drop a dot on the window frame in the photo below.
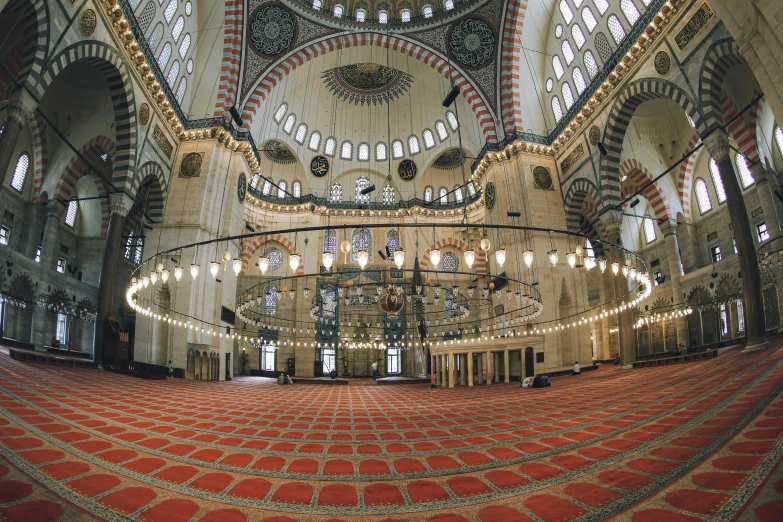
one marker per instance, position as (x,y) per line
(20,188)
(760,233)
(715,253)
(707,193)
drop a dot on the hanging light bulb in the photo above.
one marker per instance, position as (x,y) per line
(294,260)
(632,273)
(484,244)
(553,257)
(145,281)
(178,272)
(214,267)
(625,270)
(527,256)
(153,277)
(194,270)
(602,264)
(345,248)
(470,257)
(363,257)
(237,266)
(615,267)
(327,258)
(226,256)
(500,256)
(399,257)
(571,258)
(263,263)
(164,275)
(435,257)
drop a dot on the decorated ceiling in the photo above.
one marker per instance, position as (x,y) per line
(365,83)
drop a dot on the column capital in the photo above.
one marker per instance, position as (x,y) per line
(612,220)
(668,227)
(21,106)
(55,209)
(120,204)
(717,145)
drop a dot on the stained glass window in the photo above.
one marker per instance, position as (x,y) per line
(380,152)
(449,262)
(590,64)
(397,150)
(361,14)
(20,171)
(329,148)
(296,189)
(450,305)
(173,73)
(568,96)
(362,183)
(281,112)
(702,196)
(579,36)
(315,141)
(568,52)
(440,128)
(428,194)
(717,181)
(364,152)
(183,49)
(282,187)
(183,85)
(630,11)
(336,193)
(443,195)
(163,57)
(429,139)
(155,37)
(168,14)
(452,119)
(550,84)
(649,229)
(330,241)
(392,240)
(329,304)
(267,188)
(565,10)
(361,239)
(602,5)
(556,108)
(270,302)
(179,25)
(346,150)
(744,171)
(389,196)
(557,65)
(301,133)
(275,258)
(458,194)
(616,28)
(413,145)
(338,11)
(70,213)
(288,126)
(589,19)
(579,80)
(603,47)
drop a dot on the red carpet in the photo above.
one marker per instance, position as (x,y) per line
(698,441)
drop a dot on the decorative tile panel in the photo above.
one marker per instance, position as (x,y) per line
(572,158)
(697,22)
(165,145)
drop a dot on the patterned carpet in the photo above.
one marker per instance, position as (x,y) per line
(697,441)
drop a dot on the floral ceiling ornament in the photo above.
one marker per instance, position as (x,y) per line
(278,152)
(472,42)
(272,30)
(450,159)
(365,83)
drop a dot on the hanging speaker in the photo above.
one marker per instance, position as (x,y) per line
(367,190)
(602,149)
(235,116)
(451,96)
(383,256)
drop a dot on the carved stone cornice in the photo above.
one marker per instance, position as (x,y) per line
(717,144)
(21,107)
(120,204)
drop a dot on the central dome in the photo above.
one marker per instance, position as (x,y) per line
(367,82)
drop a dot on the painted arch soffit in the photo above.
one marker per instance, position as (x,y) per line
(275,31)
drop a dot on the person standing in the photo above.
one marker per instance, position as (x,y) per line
(374,369)
(170,369)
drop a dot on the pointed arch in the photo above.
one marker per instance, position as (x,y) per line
(738,130)
(232,56)
(510,64)
(580,200)
(33,16)
(637,176)
(719,58)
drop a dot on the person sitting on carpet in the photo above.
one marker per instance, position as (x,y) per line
(280,379)
(576,370)
(527,382)
(537,382)
(617,359)
(288,379)
(545,381)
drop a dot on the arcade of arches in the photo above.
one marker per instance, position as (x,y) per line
(451,196)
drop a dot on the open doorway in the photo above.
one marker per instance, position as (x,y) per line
(529,362)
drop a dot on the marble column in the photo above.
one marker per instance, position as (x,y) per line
(669,229)
(463,369)
(470,368)
(490,371)
(19,110)
(612,221)
(611,345)
(120,205)
(451,370)
(443,369)
(54,215)
(506,365)
(480,368)
(433,366)
(496,365)
(438,371)
(766,198)
(718,146)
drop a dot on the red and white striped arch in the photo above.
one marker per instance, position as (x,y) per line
(637,177)
(250,248)
(510,63)
(479,266)
(739,131)
(685,178)
(333,43)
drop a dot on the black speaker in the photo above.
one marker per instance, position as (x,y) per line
(451,96)
(367,190)
(602,149)
(235,116)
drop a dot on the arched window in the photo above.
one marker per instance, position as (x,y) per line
(346,151)
(413,145)
(558,30)
(590,64)
(578,35)
(362,183)
(336,193)
(275,258)
(405,15)
(568,96)
(717,181)
(458,194)
(452,119)
(443,195)
(301,133)
(179,25)
(189,65)
(440,128)
(383,17)
(364,152)
(145,17)
(188,8)
(330,241)
(603,47)
(296,189)
(282,188)
(163,57)
(254,181)
(630,11)
(173,73)
(155,37)
(565,10)
(361,239)
(267,188)
(602,5)
(330,147)
(338,11)
(20,171)
(550,84)
(361,15)
(397,150)
(168,14)
(429,139)
(557,65)
(449,263)
(471,189)
(315,141)
(427,11)
(557,110)
(616,28)
(702,196)
(317,5)
(428,194)
(778,139)
(568,52)
(184,46)
(449,5)
(589,19)
(744,171)
(270,301)
(380,152)
(288,126)
(392,239)
(281,112)
(649,229)
(70,213)
(389,197)
(579,80)
(181,88)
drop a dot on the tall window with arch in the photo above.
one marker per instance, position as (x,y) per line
(471,188)
(163,57)
(616,28)
(427,11)
(630,11)
(557,110)
(282,188)
(361,239)
(452,119)
(428,194)
(361,15)
(383,17)
(449,304)
(301,133)
(254,181)
(392,241)
(702,196)
(717,181)
(389,196)
(429,139)
(346,151)
(578,35)
(565,10)
(330,147)
(557,65)
(296,189)
(440,128)
(176,31)
(330,241)
(568,52)
(779,139)
(380,151)
(181,88)
(288,126)
(154,40)
(336,193)
(362,183)
(413,145)
(170,10)
(589,19)
(603,47)
(270,301)
(649,229)
(568,96)
(267,187)
(281,112)
(173,73)
(601,5)
(338,11)
(590,64)
(405,15)
(744,171)
(443,195)
(364,152)
(458,194)
(70,213)
(315,141)
(579,80)
(397,150)
(20,171)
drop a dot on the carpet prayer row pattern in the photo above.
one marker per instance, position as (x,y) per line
(690,442)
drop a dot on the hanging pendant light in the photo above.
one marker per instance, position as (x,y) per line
(500,256)
(345,248)
(153,277)
(263,263)
(527,256)
(632,272)
(470,257)
(164,275)
(615,267)
(399,257)
(571,258)
(214,267)
(602,264)
(435,257)
(327,258)
(484,244)
(363,257)
(293,261)
(178,272)
(194,270)
(553,257)
(145,281)
(625,270)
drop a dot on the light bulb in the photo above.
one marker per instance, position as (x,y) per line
(164,275)
(500,256)
(571,258)
(527,256)
(363,257)
(153,277)
(194,270)
(237,265)
(632,273)
(294,260)
(435,257)
(327,258)
(553,257)
(589,263)
(178,272)
(399,257)
(485,245)
(263,263)
(214,267)
(145,281)
(602,265)
(625,270)
(470,258)
(226,256)
(615,268)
